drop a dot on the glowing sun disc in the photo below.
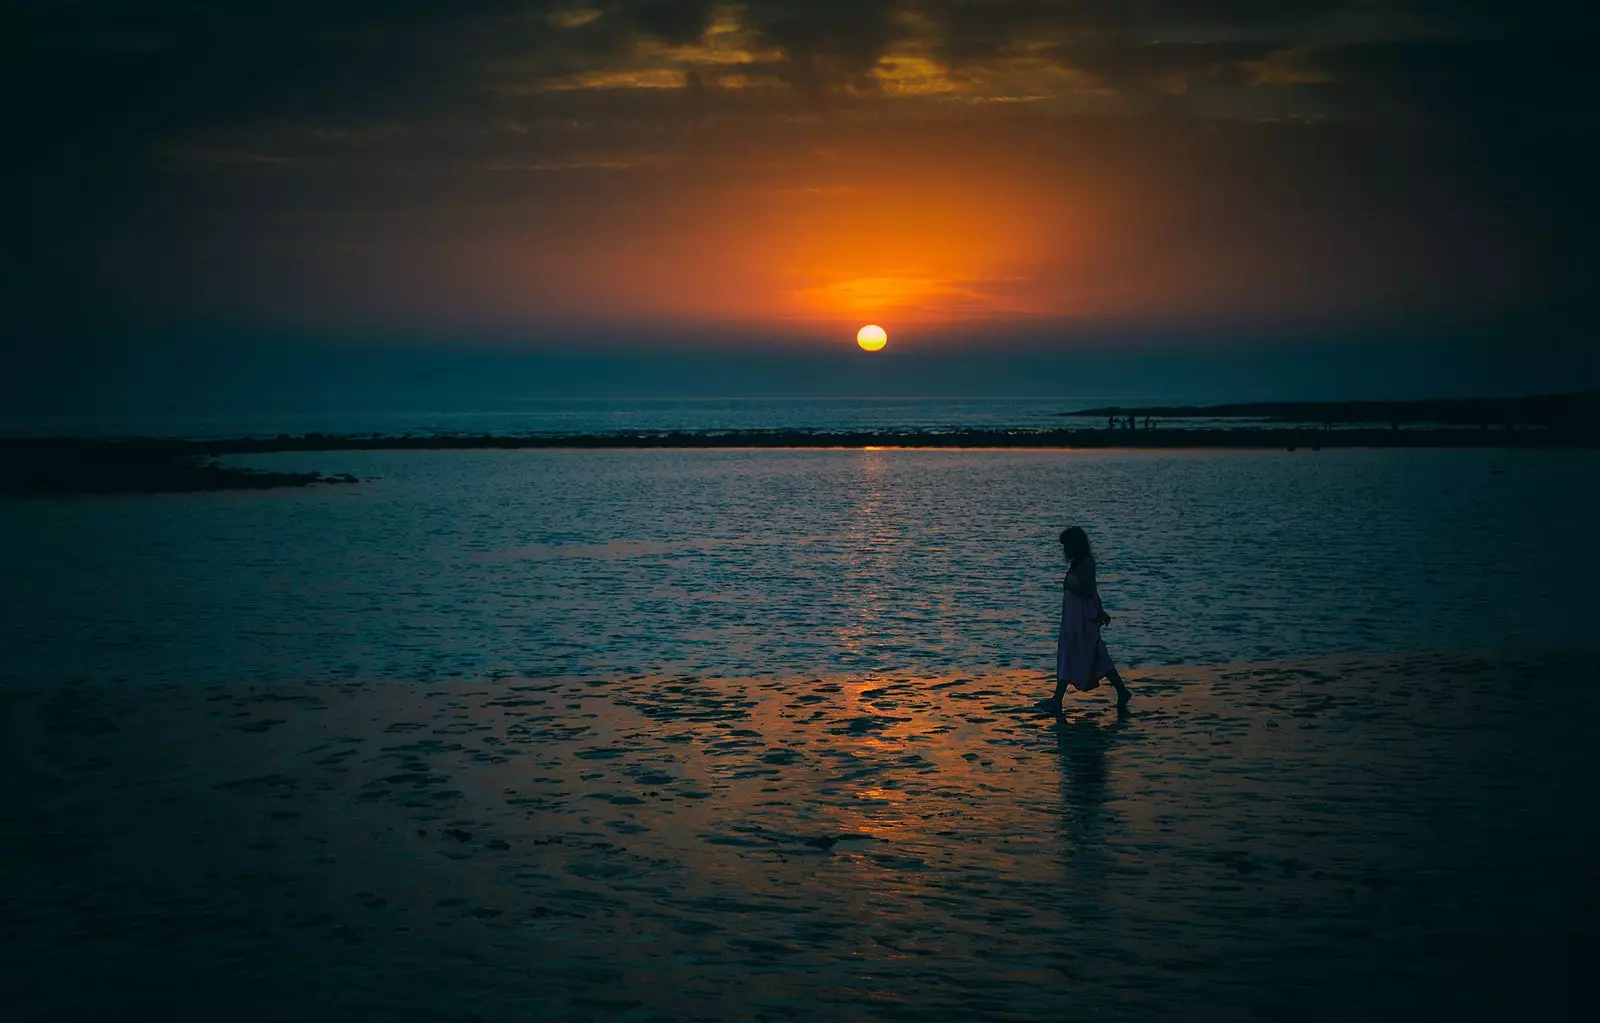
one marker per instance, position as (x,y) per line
(872,337)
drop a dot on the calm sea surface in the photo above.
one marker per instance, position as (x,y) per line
(556,417)
(780,563)
(541,417)
(716,735)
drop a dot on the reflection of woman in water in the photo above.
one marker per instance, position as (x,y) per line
(1081,655)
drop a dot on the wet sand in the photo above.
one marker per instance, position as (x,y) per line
(1406,837)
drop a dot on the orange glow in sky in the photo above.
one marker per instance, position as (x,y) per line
(736,173)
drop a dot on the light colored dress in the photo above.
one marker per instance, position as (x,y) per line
(1081,655)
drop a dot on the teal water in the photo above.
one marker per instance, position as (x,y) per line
(742,563)
(514,417)
(733,735)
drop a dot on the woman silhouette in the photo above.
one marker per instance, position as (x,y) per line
(1081,655)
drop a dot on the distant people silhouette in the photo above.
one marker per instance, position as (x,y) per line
(1081,655)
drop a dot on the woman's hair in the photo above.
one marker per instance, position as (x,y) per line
(1076,543)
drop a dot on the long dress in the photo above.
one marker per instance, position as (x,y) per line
(1081,655)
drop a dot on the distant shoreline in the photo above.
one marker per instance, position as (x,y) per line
(61,466)
(1082,437)
(72,465)
(1574,411)
(64,467)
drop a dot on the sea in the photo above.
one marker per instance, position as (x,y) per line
(752,734)
(555,417)
(757,562)
(773,562)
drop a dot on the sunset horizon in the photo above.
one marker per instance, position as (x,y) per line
(887,511)
(768,175)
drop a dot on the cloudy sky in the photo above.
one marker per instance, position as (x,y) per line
(973,174)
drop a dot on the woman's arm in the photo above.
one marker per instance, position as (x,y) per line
(1080,579)
(1080,583)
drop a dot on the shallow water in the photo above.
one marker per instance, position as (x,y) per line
(1398,839)
(651,735)
(745,563)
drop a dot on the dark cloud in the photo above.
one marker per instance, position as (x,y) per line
(1122,62)
(102,75)
(830,36)
(1526,77)
(675,21)
(126,117)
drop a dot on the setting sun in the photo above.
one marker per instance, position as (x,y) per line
(872,337)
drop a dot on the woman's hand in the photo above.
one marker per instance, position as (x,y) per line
(1102,619)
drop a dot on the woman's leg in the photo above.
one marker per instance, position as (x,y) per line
(1122,688)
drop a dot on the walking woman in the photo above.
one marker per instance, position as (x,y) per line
(1081,655)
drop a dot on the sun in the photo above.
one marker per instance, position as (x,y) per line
(872,337)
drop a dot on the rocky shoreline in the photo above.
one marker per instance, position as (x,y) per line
(62,467)
(69,465)
(1576,412)
(1084,437)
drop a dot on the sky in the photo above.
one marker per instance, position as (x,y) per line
(663,183)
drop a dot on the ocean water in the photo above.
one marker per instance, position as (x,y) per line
(778,563)
(717,735)
(556,417)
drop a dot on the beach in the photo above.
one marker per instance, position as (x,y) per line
(1406,837)
(727,735)
(575,512)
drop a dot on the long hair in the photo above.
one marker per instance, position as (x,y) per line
(1075,543)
